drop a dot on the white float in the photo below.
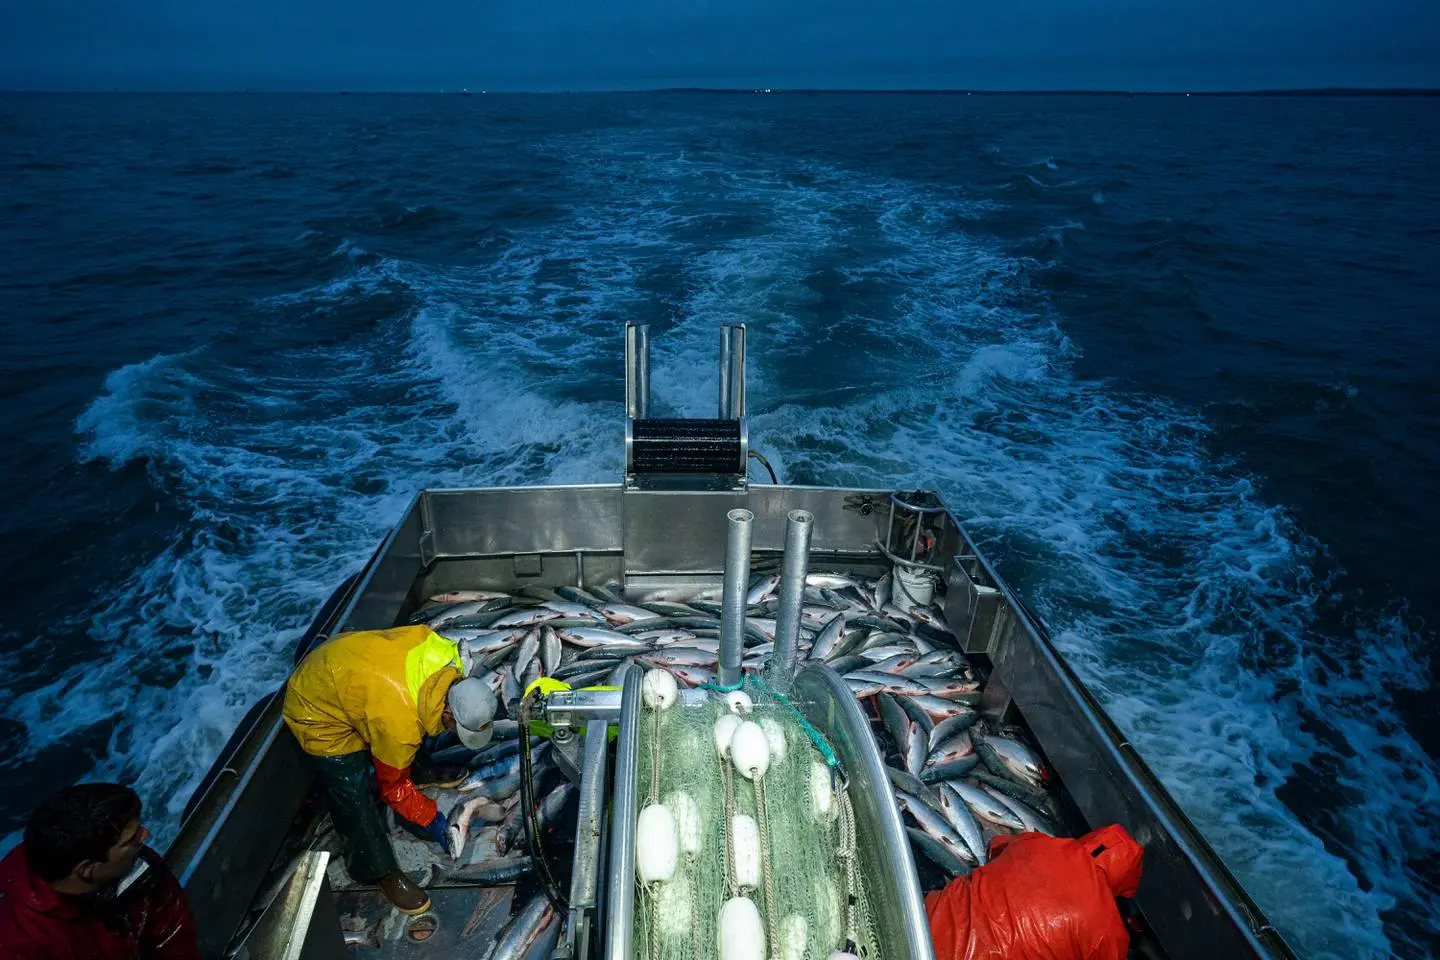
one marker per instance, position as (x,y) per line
(656,850)
(658,690)
(740,934)
(750,750)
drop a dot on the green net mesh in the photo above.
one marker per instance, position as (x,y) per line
(805,881)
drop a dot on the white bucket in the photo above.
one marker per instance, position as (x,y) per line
(913,587)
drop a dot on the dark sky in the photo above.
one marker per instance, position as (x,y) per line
(620,44)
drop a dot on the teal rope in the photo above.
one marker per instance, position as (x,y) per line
(816,737)
(721,688)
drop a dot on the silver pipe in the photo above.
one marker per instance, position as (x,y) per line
(585,880)
(726,346)
(620,879)
(637,371)
(793,567)
(737,586)
(732,371)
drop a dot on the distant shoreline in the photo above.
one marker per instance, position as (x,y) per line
(778,91)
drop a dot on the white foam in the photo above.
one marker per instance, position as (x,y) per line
(1166,579)
(1187,603)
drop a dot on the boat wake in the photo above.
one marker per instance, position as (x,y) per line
(889,346)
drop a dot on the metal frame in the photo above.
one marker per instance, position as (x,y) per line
(652,538)
(887,864)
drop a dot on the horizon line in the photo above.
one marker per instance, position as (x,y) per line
(770,91)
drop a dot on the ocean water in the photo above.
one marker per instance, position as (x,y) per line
(1173,361)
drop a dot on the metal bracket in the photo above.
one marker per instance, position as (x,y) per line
(427,533)
(574,709)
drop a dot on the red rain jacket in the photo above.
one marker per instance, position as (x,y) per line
(1040,898)
(151,921)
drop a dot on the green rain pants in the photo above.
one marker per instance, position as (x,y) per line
(354,796)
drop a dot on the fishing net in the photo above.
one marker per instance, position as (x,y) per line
(808,872)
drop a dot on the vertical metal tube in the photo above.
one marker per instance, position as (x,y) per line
(637,371)
(620,915)
(726,346)
(732,371)
(737,586)
(793,567)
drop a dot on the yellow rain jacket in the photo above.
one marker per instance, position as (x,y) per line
(376,690)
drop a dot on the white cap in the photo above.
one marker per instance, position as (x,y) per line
(473,706)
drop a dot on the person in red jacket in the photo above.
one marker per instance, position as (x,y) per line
(1040,898)
(84,886)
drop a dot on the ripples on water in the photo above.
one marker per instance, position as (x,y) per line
(1170,360)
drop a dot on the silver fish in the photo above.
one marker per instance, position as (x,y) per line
(903,782)
(1012,758)
(532,673)
(890,651)
(681,657)
(945,856)
(931,821)
(550,650)
(915,743)
(941,709)
(958,815)
(614,648)
(468,596)
(527,618)
(536,921)
(864,687)
(528,648)
(692,676)
(952,749)
(880,597)
(817,617)
(623,613)
(487,873)
(460,611)
(986,807)
(897,664)
(890,682)
(826,644)
(481,807)
(664,638)
(894,718)
(577,595)
(829,581)
(595,637)
(762,588)
(610,593)
(947,770)
(571,609)
(1030,818)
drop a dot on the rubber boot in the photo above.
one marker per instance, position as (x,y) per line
(408,898)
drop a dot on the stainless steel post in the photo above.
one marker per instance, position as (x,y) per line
(620,880)
(732,371)
(736,587)
(792,595)
(585,875)
(637,371)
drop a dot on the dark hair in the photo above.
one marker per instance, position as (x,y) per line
(77,824)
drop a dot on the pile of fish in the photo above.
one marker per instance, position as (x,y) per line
(959,780)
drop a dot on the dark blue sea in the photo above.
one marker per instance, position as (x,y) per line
(1173,360)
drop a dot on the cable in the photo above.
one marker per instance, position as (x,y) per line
(529,813)
(765,463)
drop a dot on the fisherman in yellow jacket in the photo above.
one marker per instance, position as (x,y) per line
(364,701)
